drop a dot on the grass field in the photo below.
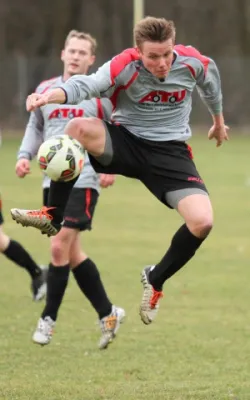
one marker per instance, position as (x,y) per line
(199,346)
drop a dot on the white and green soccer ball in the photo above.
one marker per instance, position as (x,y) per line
(61,158)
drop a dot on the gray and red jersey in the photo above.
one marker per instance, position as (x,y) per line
(51,119)
(152,108)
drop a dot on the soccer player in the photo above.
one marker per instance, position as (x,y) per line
(151,88)
(77,56)
(15,252)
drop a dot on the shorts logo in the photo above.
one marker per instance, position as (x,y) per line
(195,179)
(68,113)
(157,96)
(71,219)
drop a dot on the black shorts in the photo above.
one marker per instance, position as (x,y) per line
(162,166)
(1,212)
(80,208)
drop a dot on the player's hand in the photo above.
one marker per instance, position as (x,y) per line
(219,133)
(22,167)
(36,100)
(106,180)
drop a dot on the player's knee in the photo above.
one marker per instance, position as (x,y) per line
(56,251)
(59,250)
(201,226)
(80,128)
(205,226)
(4,241)
(73,128)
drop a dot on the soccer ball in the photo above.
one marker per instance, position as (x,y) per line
(61,158)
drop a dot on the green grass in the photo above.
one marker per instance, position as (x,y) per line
(197,349)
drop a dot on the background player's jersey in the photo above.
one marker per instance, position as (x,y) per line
(152,108)
(51,119)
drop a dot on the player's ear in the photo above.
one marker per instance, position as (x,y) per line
(138,50)
(62,55)
(92,60)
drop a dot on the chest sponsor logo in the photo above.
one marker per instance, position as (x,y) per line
(68,113)
(159,96)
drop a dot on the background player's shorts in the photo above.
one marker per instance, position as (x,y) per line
(80,208)
(162,166)
(1,212)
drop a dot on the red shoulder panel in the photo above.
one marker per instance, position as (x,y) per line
(192,52)
(119,62)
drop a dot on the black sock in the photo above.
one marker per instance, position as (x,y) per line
(59,193)
(183,246)
(89,281)
(16,253)
(56,285)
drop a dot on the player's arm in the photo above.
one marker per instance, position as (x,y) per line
(105,112)
(209,89)
(32,139)
(83,87)
(76,89)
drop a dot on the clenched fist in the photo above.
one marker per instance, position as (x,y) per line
(22,167)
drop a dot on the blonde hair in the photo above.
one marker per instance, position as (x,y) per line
(82,35)
(153,30)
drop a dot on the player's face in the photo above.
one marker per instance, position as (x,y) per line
(157,57)
(77,57)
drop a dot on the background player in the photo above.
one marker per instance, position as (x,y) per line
(78,56)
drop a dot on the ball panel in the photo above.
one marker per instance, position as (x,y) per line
(61,158)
